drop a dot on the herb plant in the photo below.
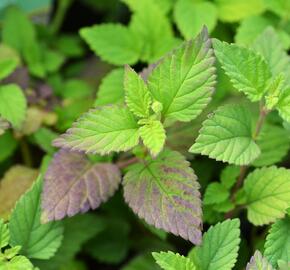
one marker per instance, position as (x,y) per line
(183,150)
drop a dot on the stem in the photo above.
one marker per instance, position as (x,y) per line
(27,160)
(62,7)
(125,163)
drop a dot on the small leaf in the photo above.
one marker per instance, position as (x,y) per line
(191,16)
(111,89)
(4,234)
(12,104)
(215,193)
(220,245)
(153,136)
(229,175)
(268,194)
(102,131)
(137,96)
(164,192)
(73,185)
(184,81)
(246,69)
(8,145)
(38,241)
(141,262)
(283,105)
(114,43)
(18,263)
(277,246)
(258,262)
(172,261)
(227,136)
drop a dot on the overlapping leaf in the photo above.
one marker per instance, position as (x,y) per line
(4,234)
(184,81)
(258,262)
(215,193)
(227,136)
(277,246)
(246,69)
(74,185)
(172,261)
(283,105)
(164,192)
(268,194)
(102,130)
(38,241)
(220,245)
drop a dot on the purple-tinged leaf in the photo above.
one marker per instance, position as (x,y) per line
(148,70)
(258,262)
(73,185)
(165,192)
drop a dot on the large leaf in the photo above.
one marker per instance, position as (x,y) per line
(268,194)
(220,245)
(74,185)
(184,81)
(16,181)
(12,104)
(114,43)
(172,261)
(137,95)
(4,234)
(164,192)
(258,262)
(227,136)
(246,69)
(191,16)
(38,241)
(102,130)
(277,246)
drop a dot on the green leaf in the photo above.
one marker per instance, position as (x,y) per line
(3,126)
(191,16)
(227,136)
(269,45)
(220,245)
(142,262)
(114,43)
(43,138)
(102,131)
(111,89)
(52,60)
(172,261)
(7,145)
(274,143)
(283,105)
(268,194)
(258,262)
(9,60)
(164,191)
(215,193)
(277,246)
(153,30)
(280,7)
(184,81)
(17,263)
(4,234)
(153,136)
(235,10)
(75,88)
(229,176)
(246,69)
(12,104)
(137,95)
(38,241)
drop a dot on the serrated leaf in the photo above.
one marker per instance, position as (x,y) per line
(229,175)
(258,262)
(38,241)
(220,245)
(274,144)
(277,246)
(4,234)
(16,181)
(111,89)
(283,105)
(246,69)
(184,81)
(73,185)
(235,10)
(191,16)
(172,261)
(269,45)
(114,43)
(102,130)
(17,263)
(12,104)
(137,95)
(268,194)
(215,193)
(227,136)
(153,136)
(164,191)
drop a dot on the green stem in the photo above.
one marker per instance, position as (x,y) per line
(27,160)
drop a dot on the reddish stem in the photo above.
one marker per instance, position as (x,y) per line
(125,163)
